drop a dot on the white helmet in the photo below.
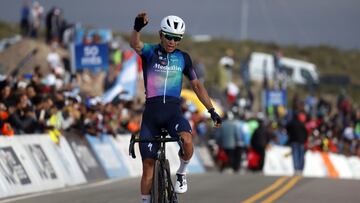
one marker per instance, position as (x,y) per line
(173,25)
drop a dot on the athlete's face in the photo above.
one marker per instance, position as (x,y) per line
(169,42)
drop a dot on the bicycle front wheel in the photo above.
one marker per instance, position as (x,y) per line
(158,185)
(170,194)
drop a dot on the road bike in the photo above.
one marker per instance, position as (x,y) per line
(162,190)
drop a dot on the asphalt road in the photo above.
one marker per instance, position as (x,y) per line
(212,188)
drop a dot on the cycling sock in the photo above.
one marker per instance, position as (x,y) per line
(182,167)
(145,198)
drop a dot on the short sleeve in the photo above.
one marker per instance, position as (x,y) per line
(189,71)
(146,50)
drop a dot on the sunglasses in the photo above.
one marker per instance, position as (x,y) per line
(172,37)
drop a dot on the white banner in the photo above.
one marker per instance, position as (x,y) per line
(134,165)
(67,161)
(17,173)
(354,163)
(314,165)
(278,161)
(31,163)
(46,163)
(341,165)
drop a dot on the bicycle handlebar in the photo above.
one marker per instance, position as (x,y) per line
(136,138)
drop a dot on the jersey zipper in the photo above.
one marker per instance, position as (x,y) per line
(167,73)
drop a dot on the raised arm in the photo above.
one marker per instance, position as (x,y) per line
(141,21)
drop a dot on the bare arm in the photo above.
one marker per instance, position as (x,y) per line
(135,42)
(201,93)
(203,96)
(141,21)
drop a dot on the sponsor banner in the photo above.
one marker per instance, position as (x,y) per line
(134,165)
(195,165)
(172,150)
(70,168)
(17,174)
(45,163)
(341,165)
(88,162)
(278,161)
(314,165)
(109,157)
(93,57)
(205,157)
(275,98)
(354,163)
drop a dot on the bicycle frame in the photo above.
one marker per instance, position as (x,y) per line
(162,188)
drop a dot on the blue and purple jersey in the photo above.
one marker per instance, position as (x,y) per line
(163,72)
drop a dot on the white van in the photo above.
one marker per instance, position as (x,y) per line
(297,71)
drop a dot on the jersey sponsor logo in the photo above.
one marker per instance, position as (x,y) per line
(174,59)
(162,68)
(150,146)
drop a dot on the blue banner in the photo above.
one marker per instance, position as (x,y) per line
(275,98)
(94,57)
(109,156)
(195,165)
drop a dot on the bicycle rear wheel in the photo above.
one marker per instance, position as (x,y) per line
(158,185)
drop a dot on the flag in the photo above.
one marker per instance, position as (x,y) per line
(126,82)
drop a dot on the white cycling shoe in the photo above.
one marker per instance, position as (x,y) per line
(181,183)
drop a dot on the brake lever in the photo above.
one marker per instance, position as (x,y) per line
(131,147)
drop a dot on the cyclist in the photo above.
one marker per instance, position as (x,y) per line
(163,68)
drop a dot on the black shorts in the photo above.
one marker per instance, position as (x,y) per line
(156,116)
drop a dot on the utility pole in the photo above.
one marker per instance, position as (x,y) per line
(244,20)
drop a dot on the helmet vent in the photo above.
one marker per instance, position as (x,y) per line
(168,22)
(175,25)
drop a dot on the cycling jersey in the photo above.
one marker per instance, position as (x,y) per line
(163,72)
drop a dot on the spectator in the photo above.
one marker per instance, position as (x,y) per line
(349,139)
(5,127)
(232,92)
(23,118)
(260,141)
(54,60)
(37,14)
(55,25)
(297,137)
(243,133)
(24,21)
(357,124)
(227,62)
(6,93)
(227,139)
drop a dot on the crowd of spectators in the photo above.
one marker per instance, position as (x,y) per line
(307,122)
(310,123)
(34,17)
(28,105)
